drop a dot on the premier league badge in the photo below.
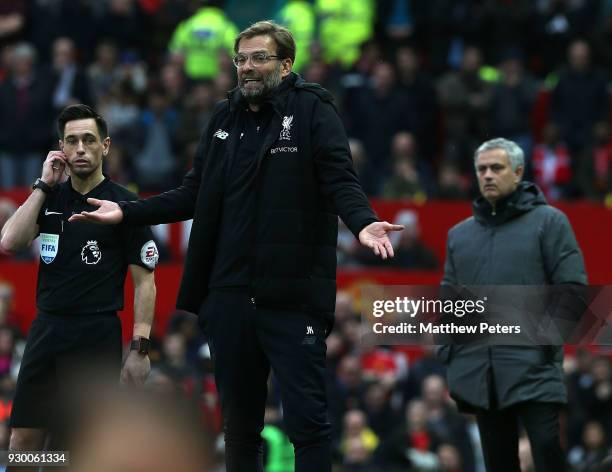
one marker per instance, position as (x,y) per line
(91,254)
(49,244)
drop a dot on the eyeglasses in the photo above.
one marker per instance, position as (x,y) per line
(257,59)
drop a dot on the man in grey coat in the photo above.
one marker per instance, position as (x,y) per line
(514,238)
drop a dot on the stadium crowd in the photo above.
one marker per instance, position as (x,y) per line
(419,83)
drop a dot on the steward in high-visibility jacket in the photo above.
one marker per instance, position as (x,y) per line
(344,25)
(298,16)
(201,38)
(280,456)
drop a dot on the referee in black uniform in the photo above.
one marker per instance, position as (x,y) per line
(80,281)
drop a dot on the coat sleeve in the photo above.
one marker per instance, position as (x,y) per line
(334,169)
(563,260)
(174,205)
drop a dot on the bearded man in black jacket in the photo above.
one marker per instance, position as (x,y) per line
(272,173)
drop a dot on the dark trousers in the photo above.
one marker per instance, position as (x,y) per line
(499,434)
(245,343)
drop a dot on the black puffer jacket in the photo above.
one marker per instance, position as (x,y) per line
(526,242)
(305,179)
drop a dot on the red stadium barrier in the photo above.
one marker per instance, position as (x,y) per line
(592,224)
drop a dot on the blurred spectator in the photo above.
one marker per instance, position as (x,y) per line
(447,423)
(223,83)
(26,119)
(511,102)
(12,20)
(594,448)
(594,167)
(375,114)
(163,17)
(450,459)
(420,369)
(506,23)
(156,165)
(8,318)
(7,208)
(411,446)
(421,107)
(452,26)
(357,457)
(359,156)
(173,82)
(452,184)
(187,325)
(120,107)
(347,247)
(346,392)
(380,364)
(576,118)
(602,37)
(195,114)
(464,99)
(104,73)
(116,166)
(355,426)
(405,182)
(557,22)
(7,346)
(78,20)
(345,306)
(552,168)
(200,39)
(174,357)
(6,59)
(298,16)
(382,417)
(70,83)
(344,25)
(397,18)
(123,23)
(351,333)
(410,251)
(598,398)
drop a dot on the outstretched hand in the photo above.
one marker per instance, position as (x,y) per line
(376,237)
(108,213)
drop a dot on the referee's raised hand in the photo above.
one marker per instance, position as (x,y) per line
(53,168)
(108,213)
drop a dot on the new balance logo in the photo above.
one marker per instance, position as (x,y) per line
(221,134)
(309,330)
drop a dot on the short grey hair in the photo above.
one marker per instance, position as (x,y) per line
(515,154)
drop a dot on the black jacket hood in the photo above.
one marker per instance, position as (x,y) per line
(525,198)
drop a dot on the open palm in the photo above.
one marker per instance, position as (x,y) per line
(108,213)
(376,237)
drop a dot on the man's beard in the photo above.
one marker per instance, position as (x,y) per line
(269,82)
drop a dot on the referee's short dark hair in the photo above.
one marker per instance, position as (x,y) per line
(285,44)
(80,112)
